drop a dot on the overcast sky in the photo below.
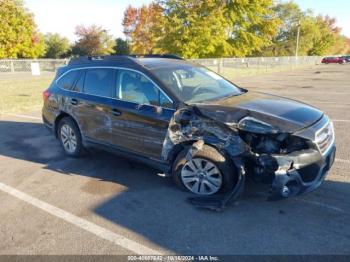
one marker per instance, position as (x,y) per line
(62,16)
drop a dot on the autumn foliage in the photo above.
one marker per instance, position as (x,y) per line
(143,27)
(211,28)
(189,28)
(19,37)
(93,40)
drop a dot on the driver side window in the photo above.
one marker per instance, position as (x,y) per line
(135,87)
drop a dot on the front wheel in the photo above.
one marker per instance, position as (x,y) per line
(70,137)
(207,173)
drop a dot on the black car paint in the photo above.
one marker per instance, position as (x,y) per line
(285,114)
(109,121)
(145,131)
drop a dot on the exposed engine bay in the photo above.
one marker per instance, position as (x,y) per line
(291,163)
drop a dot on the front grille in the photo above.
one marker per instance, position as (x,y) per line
(325,137)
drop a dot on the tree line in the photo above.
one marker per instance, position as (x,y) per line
(191,29)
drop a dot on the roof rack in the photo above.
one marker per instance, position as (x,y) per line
(89,59)
(119,58)
(169,56)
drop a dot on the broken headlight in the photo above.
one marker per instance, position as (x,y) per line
(266,139)
(253,125)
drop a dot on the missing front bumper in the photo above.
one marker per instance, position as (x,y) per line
(299,174)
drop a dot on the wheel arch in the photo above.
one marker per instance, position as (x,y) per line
(186,145)
(62,115)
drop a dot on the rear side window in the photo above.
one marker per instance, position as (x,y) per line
(67,81)
(99,82)
(79,86)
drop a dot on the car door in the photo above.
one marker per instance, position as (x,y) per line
(142,114)
(92,100)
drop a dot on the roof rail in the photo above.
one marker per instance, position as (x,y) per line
(88,59)
(169,56)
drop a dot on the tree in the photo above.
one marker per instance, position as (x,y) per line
(325,37)
(337,43)
(284,43)
(56,46)
(212,28)
(195,29)
(341,46)
(201,28)
(19,37)
(93,41)
(318,35)
(121,47)
(253,24)
(143,27)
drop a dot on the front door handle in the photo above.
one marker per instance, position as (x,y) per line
(116,112)
(74,101)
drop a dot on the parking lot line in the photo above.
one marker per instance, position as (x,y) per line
(342,160)
(21,116)
(341,120)
(82,223)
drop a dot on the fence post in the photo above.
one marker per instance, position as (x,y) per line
(219,65)
(12,67)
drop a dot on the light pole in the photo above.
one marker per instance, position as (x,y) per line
(298,36)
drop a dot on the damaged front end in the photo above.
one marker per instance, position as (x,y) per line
(293,163)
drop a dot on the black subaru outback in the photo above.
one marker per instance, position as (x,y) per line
(190,123)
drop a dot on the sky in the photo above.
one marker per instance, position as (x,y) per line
(62,16)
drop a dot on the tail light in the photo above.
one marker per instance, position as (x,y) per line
(46,95)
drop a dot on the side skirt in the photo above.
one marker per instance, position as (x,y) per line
(159,165)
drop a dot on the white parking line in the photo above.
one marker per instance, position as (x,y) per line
(327,102)
(21,116)
(342,160)
(82,223)
(341,120)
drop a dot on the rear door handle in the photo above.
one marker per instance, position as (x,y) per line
(74,101)
(116,112)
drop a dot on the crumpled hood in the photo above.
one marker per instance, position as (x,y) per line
(284,114)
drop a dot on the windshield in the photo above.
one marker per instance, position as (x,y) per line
(195,84)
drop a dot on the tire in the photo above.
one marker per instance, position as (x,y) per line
(72,144)
(228,172)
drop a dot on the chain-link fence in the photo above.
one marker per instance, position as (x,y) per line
(233,67)
(229,67)
(25,65)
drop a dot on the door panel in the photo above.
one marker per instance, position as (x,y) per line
(140,124)
(140,129)
(94,116)
(91,102)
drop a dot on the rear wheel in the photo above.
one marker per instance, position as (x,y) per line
(69,135)
(207,173)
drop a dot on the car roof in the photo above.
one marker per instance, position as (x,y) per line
(132,61)
(154,63)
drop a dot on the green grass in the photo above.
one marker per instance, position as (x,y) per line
(20,94)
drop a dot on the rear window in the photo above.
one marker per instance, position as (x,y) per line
(79,85)
(99,82)
(67,81)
